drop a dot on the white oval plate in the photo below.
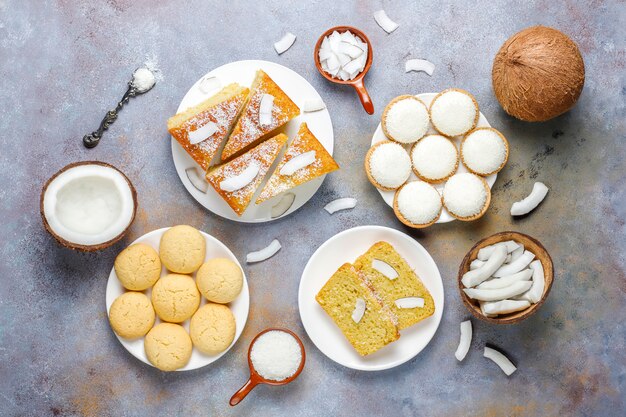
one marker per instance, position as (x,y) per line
(379,136)
(299,90)
(239,307)
(346,247)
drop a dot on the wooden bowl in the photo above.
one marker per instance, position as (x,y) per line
(530,244)
(256,379)
(357,82)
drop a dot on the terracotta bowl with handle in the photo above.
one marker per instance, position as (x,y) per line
(357,82)
(530,244)
(256,379)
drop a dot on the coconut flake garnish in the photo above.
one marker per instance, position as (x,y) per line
(350,49)
(531,202)
(419,65)
(385,269)
(499,359)
(465,340)
(385,22)
(312,105)
(209,84)
(265,253)
(410,302)
(241,180)
(340,204)
(283,205)
(285,43)
(359,310)
(202,133)
(298,162)
(265,109)
(196,179)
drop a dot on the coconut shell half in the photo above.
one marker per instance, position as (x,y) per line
(538,74)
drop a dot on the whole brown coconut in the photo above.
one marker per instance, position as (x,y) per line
(538,74)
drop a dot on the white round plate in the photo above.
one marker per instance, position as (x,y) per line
(299,90)
(346,247)
(239,307)
(379,136)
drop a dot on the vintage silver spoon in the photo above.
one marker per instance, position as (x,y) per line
(143,80)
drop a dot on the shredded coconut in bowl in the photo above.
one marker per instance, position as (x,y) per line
(464,194)
(276,355)
(390,165)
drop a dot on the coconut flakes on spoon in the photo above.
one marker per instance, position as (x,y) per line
(385,22)
(285,43)
(265,253)
(419,65)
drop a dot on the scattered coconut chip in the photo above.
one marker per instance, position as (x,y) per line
(285,43)
(340,204)
(531,202)
(419,65)
(499,359)
(465,340)
(359,310)
(239,181)
(313,105)
(283,205)
(265,253)
(202,133)
(410,302)
(298,162)
(385,22)
(197,179)
(265,109)
(385,269)
(209,84)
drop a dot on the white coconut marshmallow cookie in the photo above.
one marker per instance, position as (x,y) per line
(388,165)
(418,203)
(405,119)
(484,151)
(434,158)
(454,112)
(465,195)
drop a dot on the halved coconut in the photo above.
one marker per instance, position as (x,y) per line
(88,205)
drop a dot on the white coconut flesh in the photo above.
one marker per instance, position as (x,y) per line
(88,204)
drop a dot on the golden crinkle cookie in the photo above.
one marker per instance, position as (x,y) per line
(182,249)
(168,346)
(131,315)
(212,328)
(220,280)
(138,267)
(175,298)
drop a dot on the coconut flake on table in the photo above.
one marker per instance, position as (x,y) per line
(241,180)
(343,55)
(465,340)
(265,109)
(202,133)
(340,204)
(499,359)
(285,43)
(418,65)
(531,202)
(276,355)
(265,253)
(298,162)
(313,105)
(385,269)
(197,179)
(385,22)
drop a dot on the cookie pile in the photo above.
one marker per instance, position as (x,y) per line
(174,298)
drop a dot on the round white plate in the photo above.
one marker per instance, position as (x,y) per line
(239,307)
(346,247)
(299,90)
(379,136)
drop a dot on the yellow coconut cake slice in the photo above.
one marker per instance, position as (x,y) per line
(399,287)
(237,181)
(363,320)
(305,159)
(201,129)
(267,108)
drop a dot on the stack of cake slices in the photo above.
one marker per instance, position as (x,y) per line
(244,119)
(374,298)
